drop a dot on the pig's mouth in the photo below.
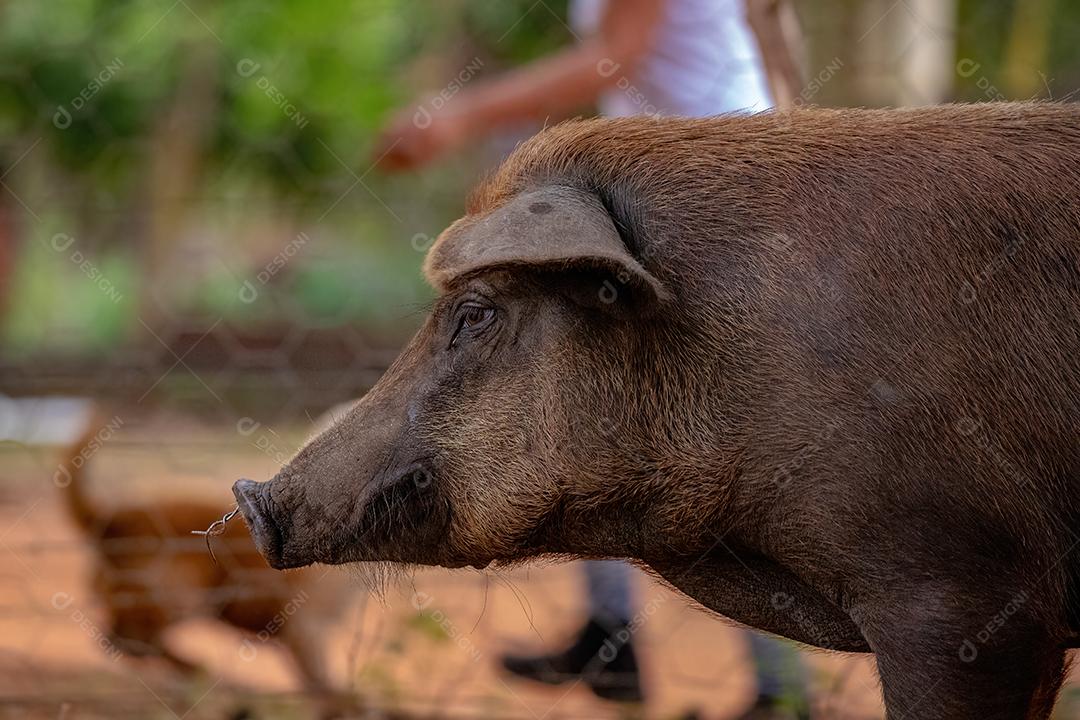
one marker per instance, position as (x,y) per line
(404,520)
(264,532)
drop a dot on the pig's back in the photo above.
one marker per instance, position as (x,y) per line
(944,283)
(896,297)
(915,334)
(933,250)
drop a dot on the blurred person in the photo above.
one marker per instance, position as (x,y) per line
(657,57)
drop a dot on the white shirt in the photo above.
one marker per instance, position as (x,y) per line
(703,61)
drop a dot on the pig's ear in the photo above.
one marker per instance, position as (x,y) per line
(554,229)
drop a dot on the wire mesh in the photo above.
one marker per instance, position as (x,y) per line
(192,232)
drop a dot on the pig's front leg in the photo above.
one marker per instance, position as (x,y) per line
(943,654)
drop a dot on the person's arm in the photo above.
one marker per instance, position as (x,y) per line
(549,88)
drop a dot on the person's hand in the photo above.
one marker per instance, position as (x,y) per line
(415,137)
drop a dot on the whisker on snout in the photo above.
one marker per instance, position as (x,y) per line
(377,578)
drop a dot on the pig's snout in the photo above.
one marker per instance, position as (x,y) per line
(251,498)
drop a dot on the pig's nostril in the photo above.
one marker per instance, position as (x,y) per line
(264,532)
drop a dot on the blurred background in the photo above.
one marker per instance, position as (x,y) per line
(194,232)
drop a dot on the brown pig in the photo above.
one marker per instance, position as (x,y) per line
(819,370)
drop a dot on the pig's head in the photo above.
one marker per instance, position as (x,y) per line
(508,426)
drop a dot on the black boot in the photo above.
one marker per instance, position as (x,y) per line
(602,656)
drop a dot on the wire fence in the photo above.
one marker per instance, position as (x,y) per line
(428,647)
(192,233)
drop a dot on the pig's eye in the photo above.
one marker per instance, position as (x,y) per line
(472,317)
(475,315)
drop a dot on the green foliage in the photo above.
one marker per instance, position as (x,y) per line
(984,32)
(64,309)
(296,94)
(339,63)
(982,37)
(516,31)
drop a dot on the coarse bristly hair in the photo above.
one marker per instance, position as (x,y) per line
(378,578)
(817,369)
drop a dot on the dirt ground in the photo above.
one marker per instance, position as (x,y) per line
(439,660)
